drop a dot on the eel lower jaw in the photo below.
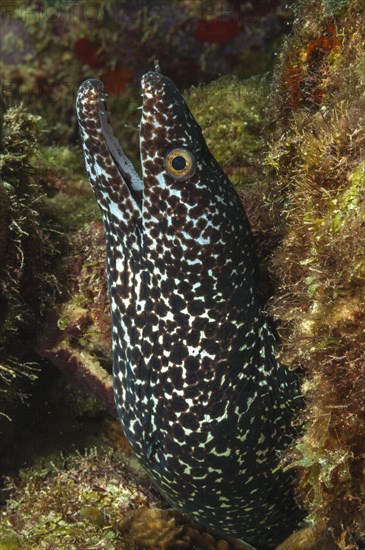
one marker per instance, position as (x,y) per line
(121,161)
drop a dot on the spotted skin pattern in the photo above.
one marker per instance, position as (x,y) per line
(201,398)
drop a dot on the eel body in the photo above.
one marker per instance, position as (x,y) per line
(201,398)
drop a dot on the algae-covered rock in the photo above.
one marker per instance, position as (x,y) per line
(317,150)
(74,504)
(49,48)
(27,281)
(76,337)
(231,113)
(97,500)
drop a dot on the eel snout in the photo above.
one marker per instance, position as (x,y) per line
(108,165)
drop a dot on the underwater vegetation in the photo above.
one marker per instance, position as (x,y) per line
(80,502)
(49,48)
(317,151)
(27,287)
(98,499)
(231,111)
(76,337)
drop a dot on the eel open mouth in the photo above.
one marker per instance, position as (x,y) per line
(103,152)
(165,124)
(116,151)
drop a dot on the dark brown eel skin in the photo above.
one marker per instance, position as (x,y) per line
(202,399)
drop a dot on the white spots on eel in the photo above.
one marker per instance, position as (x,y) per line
(200,395)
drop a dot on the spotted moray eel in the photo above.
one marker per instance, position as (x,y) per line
(201,398)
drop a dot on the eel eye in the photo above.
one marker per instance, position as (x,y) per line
(180,163)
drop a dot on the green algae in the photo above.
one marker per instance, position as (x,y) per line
(65,159)
(231,113)
(44,199)
(331,7)
(26,287)
(94,500)
(74,211)
(69,197)
(9,540)
(350,200)
(317,152)
(77,504)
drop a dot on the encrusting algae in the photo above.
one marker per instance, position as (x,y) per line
(79,502)
(27,287)
(317,150)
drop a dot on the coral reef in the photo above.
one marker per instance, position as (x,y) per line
(231,112)
(317,150)
(75,503)
(77,335)
(59,44)
(27,287)
(96,500)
